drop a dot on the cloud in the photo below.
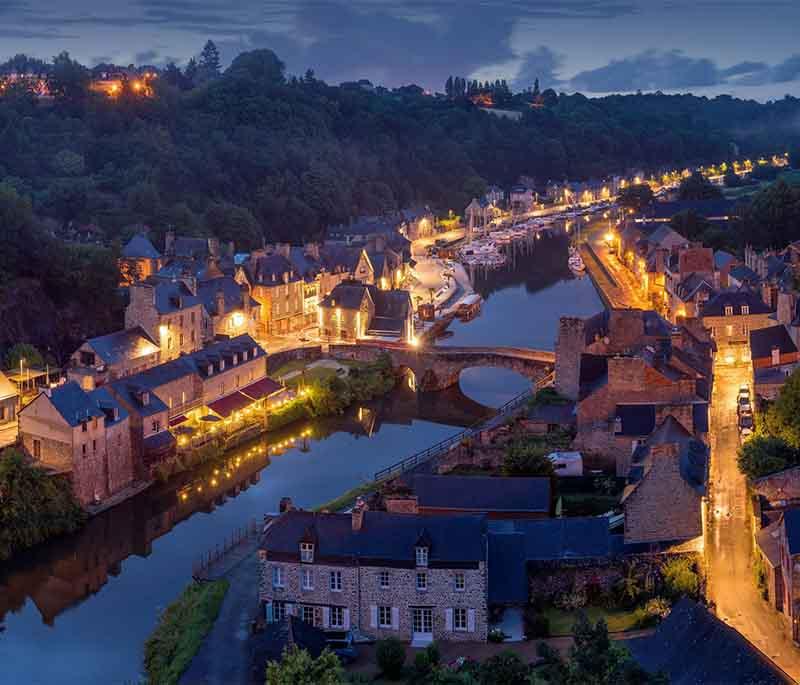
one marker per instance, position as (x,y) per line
(146,57)
(649,70)
(788,70)
(543,64)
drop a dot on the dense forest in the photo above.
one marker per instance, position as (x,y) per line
(250,153)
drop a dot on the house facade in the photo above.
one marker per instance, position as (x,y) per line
(354,310)
(9,399)
(416,578)
(730,316)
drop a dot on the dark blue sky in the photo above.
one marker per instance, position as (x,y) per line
(748,48)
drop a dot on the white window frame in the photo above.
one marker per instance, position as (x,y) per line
(383,575)
(307,552)
(423,586)
(745,310)
(303,613)
(460,581)
(279,612)
(278,577)
(336,581)
(306,579)
(728,310)
(422,556)
(384,617)
(458,614)
(337,617)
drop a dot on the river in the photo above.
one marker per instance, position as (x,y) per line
(78,609)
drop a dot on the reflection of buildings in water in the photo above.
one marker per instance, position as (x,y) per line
(62,573)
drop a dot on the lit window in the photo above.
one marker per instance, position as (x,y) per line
(385,617)
(459,619)
(383,579)
(277,576)
(308,579)
(460,581)
(422,581)
(336,581)
(728,310)
(337,617)
(306,552)
(745,309)
(422,556)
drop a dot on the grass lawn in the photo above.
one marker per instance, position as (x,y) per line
(348,498)
(618,620)
(589,504)
(318,373)
(296,365)
(180,631)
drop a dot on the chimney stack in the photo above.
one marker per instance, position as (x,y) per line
(357,515)
(285,505)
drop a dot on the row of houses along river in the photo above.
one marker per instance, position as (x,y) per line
(78,610)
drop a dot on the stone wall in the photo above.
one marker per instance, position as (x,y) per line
(279,359)
(120,466)
(570,344)
(783,486)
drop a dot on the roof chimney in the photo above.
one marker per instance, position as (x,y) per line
(285,504)
(357,515)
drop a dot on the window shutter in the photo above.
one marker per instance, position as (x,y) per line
(373,616)
(448,620)
(291,610)
(326,617)
(395,618)
(269,612)
(471,620)
(347,619)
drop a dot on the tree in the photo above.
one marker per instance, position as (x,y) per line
(698,187)
(391,657)
(448,87)
(298,667)
(680,578)
(209,65)
(506,667)
(690,225)
(68,79)
(25,356)
(257,65)
(191,70)
(783,417)
(772,216)
(761,455)
(732,179)
(525,458)
(535,88)
(636,196)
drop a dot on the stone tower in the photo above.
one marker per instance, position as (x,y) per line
(570,344)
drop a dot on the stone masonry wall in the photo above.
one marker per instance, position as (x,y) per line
(570,344)
(781,486)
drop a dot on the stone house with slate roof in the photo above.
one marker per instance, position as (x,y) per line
(730,316)
(692,646)
(356,310)
(85,436)
(775,357)
(138,260)
(497,497)
(112,356)
(417,578)
(664,500)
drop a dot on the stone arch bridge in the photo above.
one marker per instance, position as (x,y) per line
(437,368)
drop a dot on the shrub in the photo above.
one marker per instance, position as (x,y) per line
(434,657)
(570,601)
(537,625)
(391,656)
(507,668)
(496,635)
(651,612)
(422,664)
(680,578)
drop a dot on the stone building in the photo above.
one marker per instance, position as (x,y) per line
(228,307)
(355,310)
(416,578)
(171,314)
(775,357)
(9,399)
(498,498)
(138,260)
(688,281)
(779,545)
(730,316)
(108,357)
(83,435)
(664,500)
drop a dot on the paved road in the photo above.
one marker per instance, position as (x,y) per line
(628,292)
(729,542)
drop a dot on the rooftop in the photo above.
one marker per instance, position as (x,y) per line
(74,405)
(482,493)
(764,340)
(736,299)
(124,345)
(140,247)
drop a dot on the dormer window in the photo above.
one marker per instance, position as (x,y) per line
(210,369)
(244,356)
(307,552)
(745,309)
(728,310)
(235,359)
(145,398)
(422,556)
(221,364)
(255,352)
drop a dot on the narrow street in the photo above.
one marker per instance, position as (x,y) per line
(729,544)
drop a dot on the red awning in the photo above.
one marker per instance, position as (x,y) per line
(178,420)
(225,406)
(263,388)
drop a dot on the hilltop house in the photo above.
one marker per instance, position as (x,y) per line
(417,578)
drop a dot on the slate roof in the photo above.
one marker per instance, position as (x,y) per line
(383,536)
(764,340)
(482,493)
(74,404)
(791,522)
(722,259)
(172,296)
(664,236)
(559,539)
(140,247)
(736,299)
(270,269)
(128,389)
(692,284)
(233,294)
(508,573)
(107,403)
(130,343)
(637,419)
(744,274)
(347,295)
(693,646)
(276,637)
(340,256)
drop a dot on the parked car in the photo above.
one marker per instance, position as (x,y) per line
(743,404)
(746,424)
(342,644)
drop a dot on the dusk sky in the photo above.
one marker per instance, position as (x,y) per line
(744,47)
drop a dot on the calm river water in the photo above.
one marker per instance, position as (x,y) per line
(78,610)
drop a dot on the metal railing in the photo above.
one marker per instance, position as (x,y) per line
(441,447)
(202,568)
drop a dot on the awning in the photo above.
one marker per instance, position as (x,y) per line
(225,406)
(177,420)
(263,388)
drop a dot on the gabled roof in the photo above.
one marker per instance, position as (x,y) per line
(232,292)
(744,274)
(340,257)
(190,247)
(278,636)
(482,494)
(270,269)
(383,536)
(171,296)
(764,340)
(560,539)
(736,299)
(129,391)
(109,405)
(347,295)
(74,405)
(791,522)
(693,646)
(666,237)
(127,344)
(722,259)
(140,247)
(7,388)
(692,285)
